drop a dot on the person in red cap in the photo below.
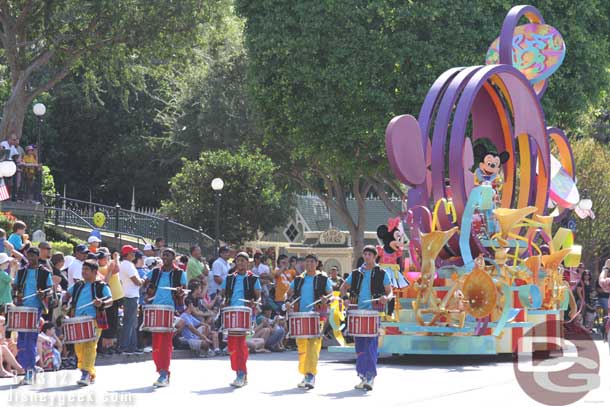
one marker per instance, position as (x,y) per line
(130,279)
(240,288)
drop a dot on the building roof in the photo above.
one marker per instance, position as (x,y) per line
(318,218)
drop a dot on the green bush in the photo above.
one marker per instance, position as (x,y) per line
(6,222)
(48,183)
(64,247)
(56,234)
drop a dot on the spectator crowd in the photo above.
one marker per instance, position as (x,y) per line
(26,184)
(197,322)
(127,273)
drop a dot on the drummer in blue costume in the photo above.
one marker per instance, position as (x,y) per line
(368,284)
(309,289)
(165,287)
(30,285)
(89,297)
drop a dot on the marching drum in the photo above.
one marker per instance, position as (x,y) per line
(236,320)
(157,318)
(79,329)
(303,324)
(363,323)
(22,319)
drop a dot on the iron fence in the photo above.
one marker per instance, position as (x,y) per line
(146,228)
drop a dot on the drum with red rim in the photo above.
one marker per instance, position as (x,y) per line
(236,320)
(79,329)
(157,318)
(363,323)
(22,319)
(303,324)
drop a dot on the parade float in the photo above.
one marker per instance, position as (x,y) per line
(487,179)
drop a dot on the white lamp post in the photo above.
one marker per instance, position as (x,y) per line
(39,110)
(217,185)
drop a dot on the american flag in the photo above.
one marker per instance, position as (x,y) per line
(4,195)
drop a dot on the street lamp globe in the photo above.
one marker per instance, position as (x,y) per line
(217,184)
(39,109)
(7,168)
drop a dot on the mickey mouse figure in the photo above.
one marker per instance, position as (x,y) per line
(488,173)
(490,164)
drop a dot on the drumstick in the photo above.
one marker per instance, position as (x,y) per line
(314,303)
(253,302)
(327,297)
(93,302)
(377,299)
(36,293)
(295,300)
(175,289)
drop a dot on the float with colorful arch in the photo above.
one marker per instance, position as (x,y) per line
(484,190)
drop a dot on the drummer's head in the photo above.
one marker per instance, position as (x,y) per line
(241,262)
(369,254)
(33,254)
(311,263)
(168,255)
(90,270)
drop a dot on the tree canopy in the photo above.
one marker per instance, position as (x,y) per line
(253,198)
(592,166)
(326,77)
(43,41)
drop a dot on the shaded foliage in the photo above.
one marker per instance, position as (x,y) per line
(253,198)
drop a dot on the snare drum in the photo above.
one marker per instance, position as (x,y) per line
(363,323)
(157,318)
(79,329)
(22,319)
(236,320)
(303,324)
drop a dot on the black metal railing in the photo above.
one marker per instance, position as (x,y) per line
(74,212)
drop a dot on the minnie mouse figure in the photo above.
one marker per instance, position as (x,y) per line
(390,254)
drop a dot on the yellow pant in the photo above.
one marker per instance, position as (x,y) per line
(309,353)
(86,352)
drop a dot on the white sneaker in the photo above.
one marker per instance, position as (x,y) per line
(310,381)
(368,384)
(240,380)
(360,386)
(301,385)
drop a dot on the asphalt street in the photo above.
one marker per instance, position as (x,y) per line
(272,380)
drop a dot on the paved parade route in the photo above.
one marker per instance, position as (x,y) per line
(402,381)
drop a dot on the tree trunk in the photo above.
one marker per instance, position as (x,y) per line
(357,236)
(13,114)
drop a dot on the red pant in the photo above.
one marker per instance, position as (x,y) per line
(239,353)
(162,350)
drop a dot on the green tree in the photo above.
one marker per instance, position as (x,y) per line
(208,107)
(253,198)
(103,147)
(43,41)
(592,165)
(326,77)
(108,142)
